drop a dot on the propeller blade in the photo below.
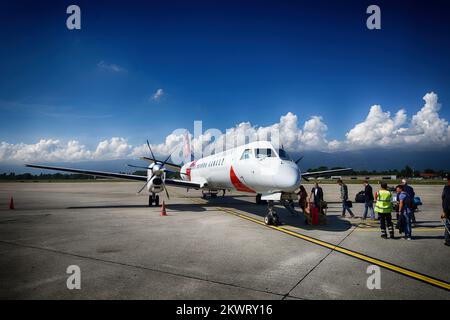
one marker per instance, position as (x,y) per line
(164,162)
(165,189)
(167,192)
(150,148)
(140,167)
(145,184)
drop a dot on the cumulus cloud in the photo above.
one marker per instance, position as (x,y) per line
(380,129)
(157,95)
(425,129)
(110,67)
(44,150)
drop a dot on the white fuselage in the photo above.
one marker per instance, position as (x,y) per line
(255,167)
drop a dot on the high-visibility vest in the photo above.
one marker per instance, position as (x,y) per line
(384,204)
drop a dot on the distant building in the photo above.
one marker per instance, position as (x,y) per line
(430,175)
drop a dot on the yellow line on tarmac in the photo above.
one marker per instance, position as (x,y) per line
(412,274)
(373,229)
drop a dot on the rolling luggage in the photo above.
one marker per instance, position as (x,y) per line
(314,215)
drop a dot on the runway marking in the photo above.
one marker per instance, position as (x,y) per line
(404,271)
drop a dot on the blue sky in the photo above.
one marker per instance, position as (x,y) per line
(222,62)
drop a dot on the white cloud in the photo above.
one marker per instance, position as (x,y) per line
(114,148)
(157,95)
(44,150)
(110,67)
(426,129)
(380,129)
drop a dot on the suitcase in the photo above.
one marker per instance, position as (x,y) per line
(314,215)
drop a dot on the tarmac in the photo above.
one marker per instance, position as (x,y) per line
(207,249)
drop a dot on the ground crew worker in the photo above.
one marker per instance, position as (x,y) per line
(383,207)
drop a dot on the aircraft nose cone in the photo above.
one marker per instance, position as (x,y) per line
(288,178)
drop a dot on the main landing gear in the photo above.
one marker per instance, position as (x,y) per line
(272,217)
(153,199)
(209,194)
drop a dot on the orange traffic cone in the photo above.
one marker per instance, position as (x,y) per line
(11,203)
(163,209)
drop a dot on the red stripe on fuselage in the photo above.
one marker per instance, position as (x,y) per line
(188,170)
(237,183)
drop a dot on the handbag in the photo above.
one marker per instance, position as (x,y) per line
(349,204)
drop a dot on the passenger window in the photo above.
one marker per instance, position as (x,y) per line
(246,154)
(263,153)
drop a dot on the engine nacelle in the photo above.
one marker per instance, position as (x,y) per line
(155,185)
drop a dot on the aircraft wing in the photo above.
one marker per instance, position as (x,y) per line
(307,175)
(182,183)
(92,172)
(171,166)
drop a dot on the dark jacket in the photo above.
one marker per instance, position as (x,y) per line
(410,191)
(446,201)
(368,193)
(319,197)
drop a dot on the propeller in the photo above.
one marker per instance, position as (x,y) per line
(157,169)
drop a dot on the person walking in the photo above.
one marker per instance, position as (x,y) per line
(410,191)
(405,209)
(344,199)
(446,211)
(316,195)
(383,207)
(302,198)
(368,202)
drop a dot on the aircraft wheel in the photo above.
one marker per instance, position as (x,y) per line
(276,220)
(268,220)
(157,201)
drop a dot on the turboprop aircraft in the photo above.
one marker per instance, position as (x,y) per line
(256,168)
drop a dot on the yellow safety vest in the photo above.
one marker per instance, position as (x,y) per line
(384,204)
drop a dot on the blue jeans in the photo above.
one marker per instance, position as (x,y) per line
(369,205)
(446,233)
(346,208)
(407,217)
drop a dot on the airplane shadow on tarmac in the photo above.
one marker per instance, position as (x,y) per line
(174,207)
(334,221)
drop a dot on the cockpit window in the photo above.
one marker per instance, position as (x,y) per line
(246,154)
(263,153)
(283,154)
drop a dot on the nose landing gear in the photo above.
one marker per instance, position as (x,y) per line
(272,217)
(153,198)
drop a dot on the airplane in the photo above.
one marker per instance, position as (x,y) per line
(256,167)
